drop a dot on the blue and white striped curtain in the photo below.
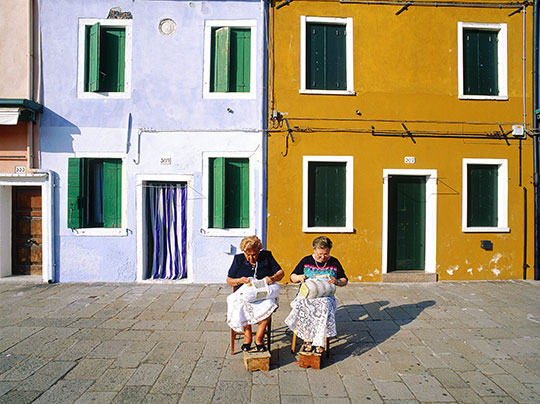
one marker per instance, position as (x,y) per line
(166,220)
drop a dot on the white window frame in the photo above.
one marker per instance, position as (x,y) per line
(208,25)
(501,30)
(430,259)
(141,215)
(349,161)
(349,49)
(234,232)
(85,22)
(105,231)
(502,196)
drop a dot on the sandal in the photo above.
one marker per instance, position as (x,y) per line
(306,347)
(246,347)
(319,350)
(260,348)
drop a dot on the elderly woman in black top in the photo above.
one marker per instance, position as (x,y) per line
(258,264)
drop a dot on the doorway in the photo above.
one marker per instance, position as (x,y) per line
(27,240)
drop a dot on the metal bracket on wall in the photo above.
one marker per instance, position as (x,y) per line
(505,135)
(408,132)
(289,133)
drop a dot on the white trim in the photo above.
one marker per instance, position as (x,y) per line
(349,170)
(234,232)
(349,49)
(46,181)
(501,30)
(502,197)
(105,231)
(83,23)
(141,242)
(208,25)
(430,260)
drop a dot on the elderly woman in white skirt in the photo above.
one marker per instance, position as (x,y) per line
(241,314)
(314,319)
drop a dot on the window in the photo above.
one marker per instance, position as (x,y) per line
(327,194)
(485,195)
(104,58)
(326,55)
(482,61)
(94,193)
(228,193)
(229,59)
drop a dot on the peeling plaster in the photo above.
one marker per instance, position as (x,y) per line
(495,258)
(376,272)
(451,269)
(470,271)
(496,271)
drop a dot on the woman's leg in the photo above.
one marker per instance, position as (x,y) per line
(248,334)
(261,328)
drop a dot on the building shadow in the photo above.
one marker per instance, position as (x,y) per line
(360,328)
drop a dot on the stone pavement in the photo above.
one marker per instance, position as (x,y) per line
(465,342)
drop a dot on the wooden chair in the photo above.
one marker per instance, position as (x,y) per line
(268,333)
(326,343)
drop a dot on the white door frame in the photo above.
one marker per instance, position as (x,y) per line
(46,181)
(141,230)
(431,216)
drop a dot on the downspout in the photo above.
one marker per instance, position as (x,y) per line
(30,136)
(264,119)
(536,55)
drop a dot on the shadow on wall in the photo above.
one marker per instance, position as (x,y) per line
(360,328)
(59,139)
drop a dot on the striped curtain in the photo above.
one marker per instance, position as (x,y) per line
(166,231)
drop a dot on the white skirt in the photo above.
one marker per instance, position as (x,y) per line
(241,313)
(313,319)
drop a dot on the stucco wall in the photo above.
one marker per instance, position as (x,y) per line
(167,96)
(405,71)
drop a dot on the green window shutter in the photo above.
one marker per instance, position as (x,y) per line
(244,192)
(482,195)
(326,57)
(92,57)
(480,62)
(220,69)
(240,59)
(74,197)
(112,193)
(113,55)
(327,194)
(216,207)
(236,193)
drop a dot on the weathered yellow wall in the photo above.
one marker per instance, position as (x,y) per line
(405,70)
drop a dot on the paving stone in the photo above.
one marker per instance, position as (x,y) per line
(117,323)
(46,376)
(465,395)
(112,380)
(296,399)
(173,378)
(78,350)
(360,390)
(64,392)
(132,335)
(515,389)
(265,394)
(381,370)
(129,360)
(426,388)
(206,372)
(19,397)
(232,392)
(89,369)
(294,383)
(391,390)
(481,384)
(197,395)
(108,350)
(96,397)
(131,395)
(233,369)
(330,400)
(161,352)
(24,369)
(145,375)
(269,377)
(7,386)
(519,371)
(325,384)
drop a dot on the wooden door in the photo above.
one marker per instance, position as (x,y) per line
(406,222)
(26,233)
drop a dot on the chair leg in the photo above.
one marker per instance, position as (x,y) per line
(269,334)
(293,346)
(233,337)
(327,343)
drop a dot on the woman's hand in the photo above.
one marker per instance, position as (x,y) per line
(298,278)
(337,282)
(242,280)
(269,280)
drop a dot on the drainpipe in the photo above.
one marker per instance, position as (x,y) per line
(536,61)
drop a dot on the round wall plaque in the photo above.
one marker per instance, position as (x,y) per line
(167,26)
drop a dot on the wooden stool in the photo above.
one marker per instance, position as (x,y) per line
(310,359)
(254,360)
(326,343)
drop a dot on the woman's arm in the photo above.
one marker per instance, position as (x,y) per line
(295,278)
(276,277)
(237,281)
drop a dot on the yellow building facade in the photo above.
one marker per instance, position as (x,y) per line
(400,130)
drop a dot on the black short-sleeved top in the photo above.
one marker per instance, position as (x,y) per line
(307,266)
(266,266)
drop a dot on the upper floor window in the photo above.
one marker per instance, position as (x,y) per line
(94,193)
(229,59)
(482,61)
(326,55)
(485,195)
(104,58)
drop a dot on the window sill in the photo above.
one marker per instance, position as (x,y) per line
(228,232)
(95,231)
(484,97)
(328,230)
(327,92)
(485,230)
(230,95)
(102,96)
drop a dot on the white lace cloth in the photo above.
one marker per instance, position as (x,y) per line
(241,313)
(313,319)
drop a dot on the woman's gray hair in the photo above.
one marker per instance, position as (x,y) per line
(251,243)
(323,243)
